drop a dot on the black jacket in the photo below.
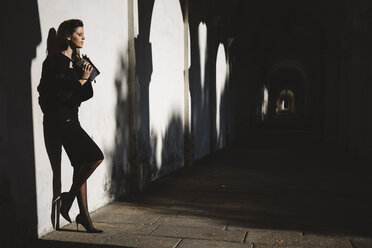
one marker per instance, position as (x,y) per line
(60,92)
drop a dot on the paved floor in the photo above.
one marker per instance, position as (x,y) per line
(278,192)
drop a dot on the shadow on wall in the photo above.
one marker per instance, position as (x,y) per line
(144,69)
(172,156)
(120,155)
(21,34)
(231,103)
(151,163)
(123,180)
(199,88)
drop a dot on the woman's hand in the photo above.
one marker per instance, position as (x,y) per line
(87,69)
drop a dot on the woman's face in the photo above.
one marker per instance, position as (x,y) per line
(77,38)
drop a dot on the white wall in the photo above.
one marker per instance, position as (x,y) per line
(106,32)
(106,116)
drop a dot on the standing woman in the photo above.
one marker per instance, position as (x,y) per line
(63,86)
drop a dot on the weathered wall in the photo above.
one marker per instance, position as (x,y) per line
(105,116)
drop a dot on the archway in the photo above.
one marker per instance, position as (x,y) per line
(285,102)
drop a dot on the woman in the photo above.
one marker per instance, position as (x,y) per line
(63,86)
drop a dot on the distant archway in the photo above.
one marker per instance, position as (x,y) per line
(288,89)
(285,102)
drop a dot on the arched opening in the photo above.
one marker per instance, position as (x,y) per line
(287,92)
(285,103)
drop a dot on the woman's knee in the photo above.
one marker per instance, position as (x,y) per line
(100,158)
(99,161)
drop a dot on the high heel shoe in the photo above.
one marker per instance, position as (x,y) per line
(55,214)
(61,201)
(86,224)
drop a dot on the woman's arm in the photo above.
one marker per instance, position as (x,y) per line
(71,90)
(68,90)
(87,91)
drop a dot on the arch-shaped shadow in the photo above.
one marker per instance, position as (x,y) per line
(120,178)
(144,69)
(199,86)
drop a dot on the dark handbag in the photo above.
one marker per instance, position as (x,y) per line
(95,72)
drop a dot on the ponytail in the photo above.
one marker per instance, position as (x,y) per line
(52,46)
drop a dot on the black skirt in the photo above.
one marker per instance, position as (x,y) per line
(80,148)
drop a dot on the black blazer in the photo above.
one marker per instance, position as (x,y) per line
(60,92)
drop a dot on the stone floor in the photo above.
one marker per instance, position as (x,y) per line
(284,191)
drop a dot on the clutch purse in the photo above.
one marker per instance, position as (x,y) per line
(95,72)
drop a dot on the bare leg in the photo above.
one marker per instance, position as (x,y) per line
(80,177)
(83,200)
(83,206)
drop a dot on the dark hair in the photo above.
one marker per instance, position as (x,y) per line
(57,41)
(52,41)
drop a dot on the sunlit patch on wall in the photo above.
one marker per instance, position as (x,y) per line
(202,31)
(221,70)
(265,102)
(166,91)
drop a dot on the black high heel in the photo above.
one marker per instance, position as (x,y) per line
(61,202)
(86,224)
